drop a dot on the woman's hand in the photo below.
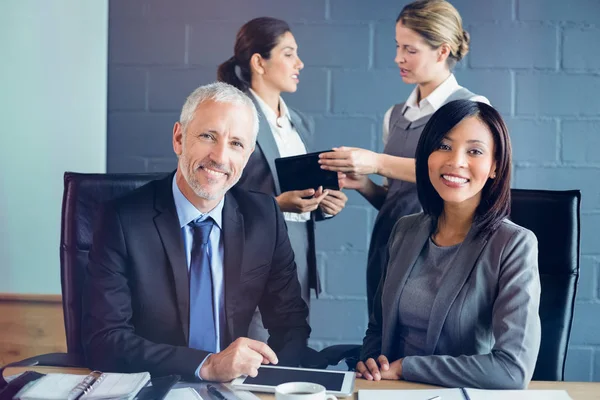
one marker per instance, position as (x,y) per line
(353,181)
(294,202)
(350,160)
(381,369)
(334,202)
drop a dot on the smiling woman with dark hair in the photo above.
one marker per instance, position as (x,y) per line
(265,64)
(459,298)
(494,199)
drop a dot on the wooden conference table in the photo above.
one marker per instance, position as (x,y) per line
(577,390)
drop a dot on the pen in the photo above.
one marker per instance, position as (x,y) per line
(435,398)
(465,394)
(215,392)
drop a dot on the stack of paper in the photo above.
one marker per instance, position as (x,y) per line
(445,394)
(476,394)
(457,394)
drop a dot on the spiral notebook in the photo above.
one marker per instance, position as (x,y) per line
(95,386)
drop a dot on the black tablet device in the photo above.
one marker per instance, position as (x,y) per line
(339,383)
(304,172)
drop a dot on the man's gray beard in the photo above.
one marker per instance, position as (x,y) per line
(203,193)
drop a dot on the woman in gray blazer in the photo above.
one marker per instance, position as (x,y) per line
(458,302)
(265,64)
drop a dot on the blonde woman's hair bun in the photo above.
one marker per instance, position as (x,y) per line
(438,23)
(463,46)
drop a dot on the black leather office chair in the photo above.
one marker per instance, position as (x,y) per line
(83,193)
(554,217)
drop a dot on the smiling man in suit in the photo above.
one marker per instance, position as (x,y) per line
(178,266)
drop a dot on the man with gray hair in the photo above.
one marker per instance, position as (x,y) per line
(178,267)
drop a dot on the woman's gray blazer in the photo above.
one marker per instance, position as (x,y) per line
(484,327)
(260,174)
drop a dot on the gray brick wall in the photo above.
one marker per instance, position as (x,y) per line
(536,60)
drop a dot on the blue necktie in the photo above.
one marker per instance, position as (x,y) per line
(203,334)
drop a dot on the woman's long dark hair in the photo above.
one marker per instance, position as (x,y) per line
(495,195)
(259,35)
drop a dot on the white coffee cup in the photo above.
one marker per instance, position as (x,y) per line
(302,391)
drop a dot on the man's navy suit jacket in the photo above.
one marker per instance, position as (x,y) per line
(136,290)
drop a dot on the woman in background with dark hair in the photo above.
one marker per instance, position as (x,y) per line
(430,40)
(458,303)
(265,64)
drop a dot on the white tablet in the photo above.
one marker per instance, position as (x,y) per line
(339,383)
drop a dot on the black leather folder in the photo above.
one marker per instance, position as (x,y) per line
(304,172)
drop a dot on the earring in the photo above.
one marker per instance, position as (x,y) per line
(493,176)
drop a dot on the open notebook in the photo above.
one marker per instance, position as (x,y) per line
(95,386)
(463,394)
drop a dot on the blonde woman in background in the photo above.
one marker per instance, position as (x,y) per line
(430,40)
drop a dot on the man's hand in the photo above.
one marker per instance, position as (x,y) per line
(293,201)
(242,357)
